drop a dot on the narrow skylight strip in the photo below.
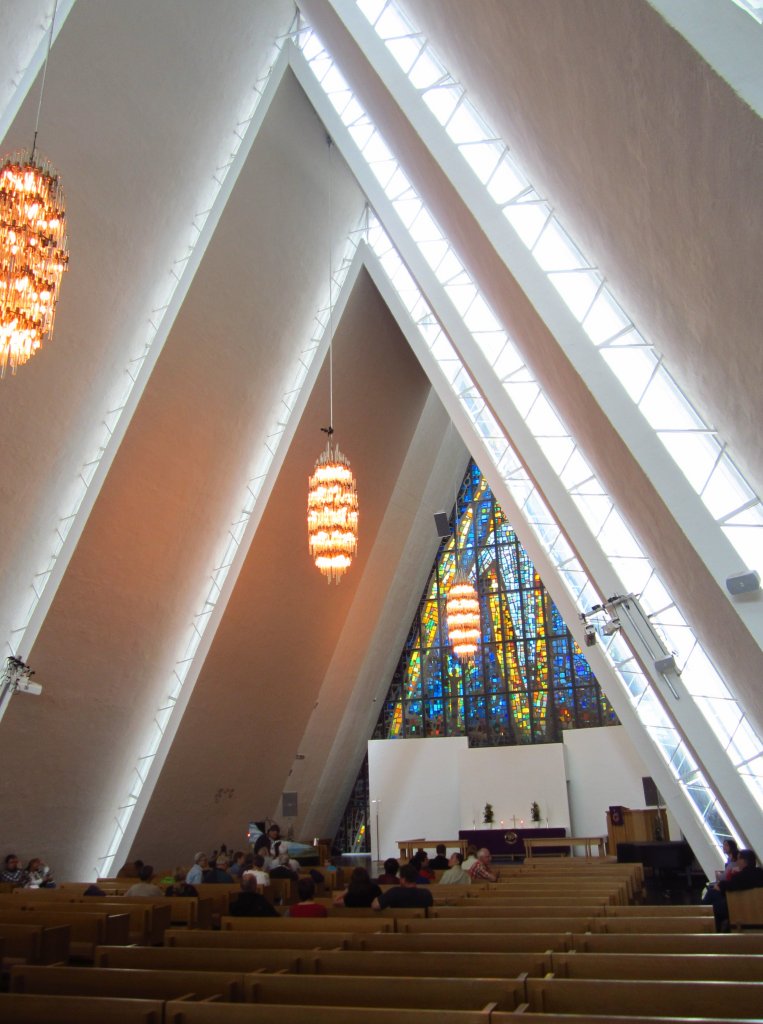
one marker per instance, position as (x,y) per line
(635,684)
(704,459)
(119,401)
(269,448)
(596,507)
(635,570)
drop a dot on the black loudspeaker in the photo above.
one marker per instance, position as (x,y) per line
(746,582)
(441,524)
(652,796)
(289,805)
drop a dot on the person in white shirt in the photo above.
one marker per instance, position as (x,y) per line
(455,875)
(145,887)
(256,872)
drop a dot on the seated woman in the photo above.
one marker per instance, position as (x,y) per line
(256,870)
(391,873)
(420,861)
(361,892)
(307,907)
(39,875)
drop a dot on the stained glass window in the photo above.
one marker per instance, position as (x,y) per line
(529,681)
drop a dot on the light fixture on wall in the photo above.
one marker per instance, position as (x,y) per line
(332,500)
(33,253)
(462,609)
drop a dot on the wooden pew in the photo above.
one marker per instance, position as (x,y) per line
(380,922)
(645,998)
(667,923)
(494,925)
(177,937)
(576,1018)
(152,958)
(359,990)
(659,966)
(431,964)
(35,944)
(263,1013)
(147,919)
(17,1008)
(745,908)
(88,930)
(503,942)
(519,909)
(136,983)
(662,910)
(685,942)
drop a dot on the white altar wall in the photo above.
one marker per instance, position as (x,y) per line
(416,784)
(431,788)
(511,778)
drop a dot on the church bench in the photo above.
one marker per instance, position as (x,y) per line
(684,942)
(147,920)
(523,909)
(432,964)
(745,908)
(134,983)
(645,998)
(193,911)
(353,912)
(255,940)
(493,925)
(575,1018)
(18,1008)
(528,942)
(378,923)
(659,966)
(677,910)
(665,923)
(361,990)
(34,943)
(190,959)
(87,930)
(262,1013)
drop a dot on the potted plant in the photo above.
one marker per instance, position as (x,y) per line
(488,815)
(535,812)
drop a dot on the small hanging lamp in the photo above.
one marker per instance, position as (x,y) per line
(462,610)
(332,499)
(33,253)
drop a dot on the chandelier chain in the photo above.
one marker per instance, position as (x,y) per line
(42,83)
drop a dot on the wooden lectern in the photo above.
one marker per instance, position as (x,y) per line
(635,826)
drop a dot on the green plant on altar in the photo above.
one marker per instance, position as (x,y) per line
(535,811)
(488,815)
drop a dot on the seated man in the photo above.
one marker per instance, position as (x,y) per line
(747,876)
(390,875)
(251,903)
(455,875)
(480,869)
(407,894)
(145,886)
(440,862)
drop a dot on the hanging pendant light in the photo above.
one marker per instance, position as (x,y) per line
(332,499)
(332,513)
(462,610)
(33,253)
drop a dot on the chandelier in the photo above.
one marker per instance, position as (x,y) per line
(332,499)
(332,513)
(462,609)
(33,254)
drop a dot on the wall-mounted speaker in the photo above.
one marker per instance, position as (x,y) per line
(441,524)
(665,664)
(746,582)
(652,796)
(289,805)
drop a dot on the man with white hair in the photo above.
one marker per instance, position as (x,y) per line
(480,869)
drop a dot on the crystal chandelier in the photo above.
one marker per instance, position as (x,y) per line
(332,513)
(462,610)
(33,254)
(332,499)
